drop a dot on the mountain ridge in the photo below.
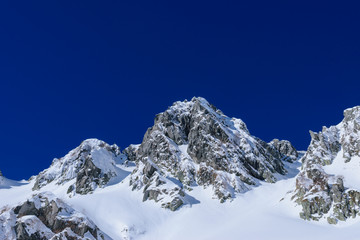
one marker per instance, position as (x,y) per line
(192,154)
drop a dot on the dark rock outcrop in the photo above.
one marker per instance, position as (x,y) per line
(286,149)
(46,217)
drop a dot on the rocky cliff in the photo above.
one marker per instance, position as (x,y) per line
(327,186)
(286,149)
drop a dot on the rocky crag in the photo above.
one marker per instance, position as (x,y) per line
(194,143)
(322,189)
(286,149)
(44,217)
(90,165)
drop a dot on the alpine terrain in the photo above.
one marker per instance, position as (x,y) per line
(328,185)
(197,174)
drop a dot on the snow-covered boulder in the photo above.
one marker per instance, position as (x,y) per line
(194,143)
(92,165)
(328,185)
(44,217)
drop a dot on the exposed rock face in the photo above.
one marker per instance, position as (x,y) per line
(130,152)
(194,143)
(286,149)
(92,165)
(45,217)
(319,189)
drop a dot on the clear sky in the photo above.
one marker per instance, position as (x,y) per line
(72,70)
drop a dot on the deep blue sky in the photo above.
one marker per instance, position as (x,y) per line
(72,70)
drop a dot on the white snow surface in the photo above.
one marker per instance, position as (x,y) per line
(7,183)
(349,170)
(266,212)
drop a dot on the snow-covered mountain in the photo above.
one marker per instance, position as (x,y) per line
(195,170)
(90,165)
(193,143)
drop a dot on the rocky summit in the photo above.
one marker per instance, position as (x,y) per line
(90,165)
(194,143)
(325,187)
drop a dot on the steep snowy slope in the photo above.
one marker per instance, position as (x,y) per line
(193,143)
(7,183)
(265,212)
(328,185)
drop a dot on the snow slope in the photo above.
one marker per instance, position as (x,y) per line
(7,183)
(263,213)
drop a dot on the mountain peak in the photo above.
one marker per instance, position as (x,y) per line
(201,101)
(186,113)
(91,164)
(351,114)
(194,143)
(198,103)
(93,142)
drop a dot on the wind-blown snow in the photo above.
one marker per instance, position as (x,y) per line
(7,183)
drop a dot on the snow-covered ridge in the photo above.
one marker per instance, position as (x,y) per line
(90,165)
(6,183)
